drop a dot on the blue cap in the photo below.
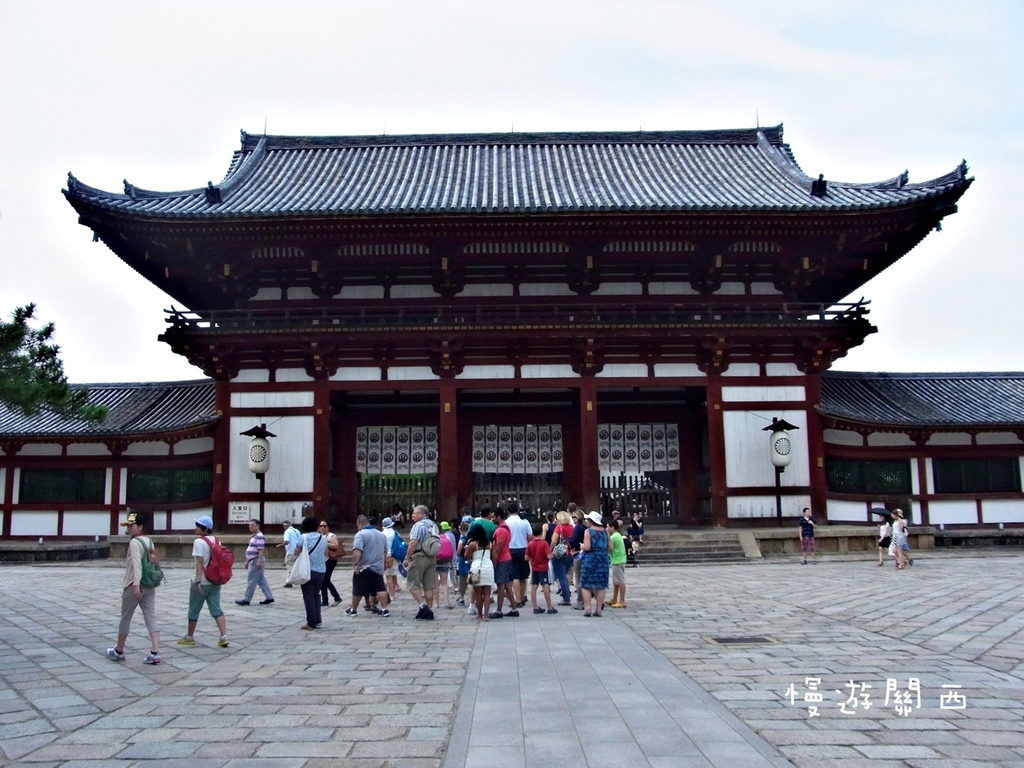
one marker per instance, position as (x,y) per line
(467,519)
(205,521)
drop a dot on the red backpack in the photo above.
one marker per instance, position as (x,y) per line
(218,570)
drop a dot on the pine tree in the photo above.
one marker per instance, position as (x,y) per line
(32,375)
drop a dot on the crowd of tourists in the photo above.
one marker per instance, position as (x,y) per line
(491,564)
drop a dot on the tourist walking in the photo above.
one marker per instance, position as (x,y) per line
(255,567)
(315,543)
(481,569)
(807,536)
(422,567)
(202,591)
(884,540)
(561,555)
(335,550)
(133,594)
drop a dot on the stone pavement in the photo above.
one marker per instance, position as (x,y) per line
(643,686)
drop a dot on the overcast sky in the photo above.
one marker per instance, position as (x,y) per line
(157,92)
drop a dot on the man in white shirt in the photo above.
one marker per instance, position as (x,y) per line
(291,541)
(521,530)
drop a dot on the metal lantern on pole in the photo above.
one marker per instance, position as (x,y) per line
(779,453)
(259,457)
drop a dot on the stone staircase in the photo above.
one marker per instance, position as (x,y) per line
(672,546)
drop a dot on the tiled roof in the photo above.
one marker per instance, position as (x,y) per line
(925,399)
(727,170)
(135,410)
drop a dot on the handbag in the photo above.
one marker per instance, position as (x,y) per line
(300,568)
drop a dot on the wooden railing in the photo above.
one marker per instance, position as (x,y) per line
(489,318)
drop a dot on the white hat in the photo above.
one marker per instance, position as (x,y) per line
(595,518)
(387,522)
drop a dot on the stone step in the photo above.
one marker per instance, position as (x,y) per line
(672,547)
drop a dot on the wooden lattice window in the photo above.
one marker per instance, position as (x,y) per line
(157,486)
(976,475)
(62,486)
(868,476)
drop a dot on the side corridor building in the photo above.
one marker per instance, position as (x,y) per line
(609,318)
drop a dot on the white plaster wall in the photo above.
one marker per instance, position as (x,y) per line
(950,438)
(631,370)
(160,522)
(185,519)
(158,448)
(764,506)
(764,289)
(413,292)
(34,523)
(487,290)
(898,439)
(1002,511)
(267,294)
(108,484)
(16,491)
(271,400)
(291,456)
(763,394)
(915,478)
(545,289)
(123,495)
(671,289)
(997,438)
(620,289)
(783,369)
(846,511)
(274,513)
(488,372)
(731,289)
(292,374)
(742,369)
(842,437)
(88,449)
(361,292)
(548,372)
(198,445)
(362,373)
(953,512)
(412,373)
(747,461)
(40,449)
(252,376)
(3,488)
(301,292)
(690,370)
(86,524)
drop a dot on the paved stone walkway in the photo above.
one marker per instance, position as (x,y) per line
(643,686)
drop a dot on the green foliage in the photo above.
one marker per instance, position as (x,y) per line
(32,375)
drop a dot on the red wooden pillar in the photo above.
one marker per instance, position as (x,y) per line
(816,448)
(589,471)
(321,447)
(447,450)
(716,450)
(221,455)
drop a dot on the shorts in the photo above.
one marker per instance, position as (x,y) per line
(619,574)
(210,595)
(443,566)
(539,578)
(422,573)
(506,572)
(367,583)
(806,543)
(521,563)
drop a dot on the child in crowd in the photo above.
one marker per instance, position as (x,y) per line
(618,564)
(538,553)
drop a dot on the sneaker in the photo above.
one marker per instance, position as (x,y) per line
(384,614)
(462,602)
(115,655)
(268,601)
(513,613)
(350,612)
(153,658)
(187,641)
(429,616)
(222,643)
(288,586)
(424,613)
(375,608)
(551,610)
(241,602)
(538,610)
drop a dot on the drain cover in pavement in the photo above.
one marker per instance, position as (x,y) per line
(754,640)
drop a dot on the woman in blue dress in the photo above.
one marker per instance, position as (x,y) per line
(596,550)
